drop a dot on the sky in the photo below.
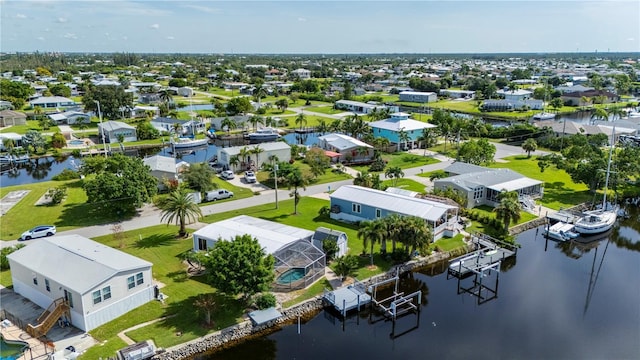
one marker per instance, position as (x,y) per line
(319,27)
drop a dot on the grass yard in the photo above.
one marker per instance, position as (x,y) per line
(328,176)
(403,160)
(325,110)
(312,121)
(30,125)
(559,190)
(448,244)
(314,290)
(159,245)
(406,184)
(73,212)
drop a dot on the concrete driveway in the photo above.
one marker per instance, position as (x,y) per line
(503,151)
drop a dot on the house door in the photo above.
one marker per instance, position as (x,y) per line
(68,297)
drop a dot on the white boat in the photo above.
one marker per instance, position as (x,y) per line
(264,134)
(600,220)
(544,116)
(561,231)
(186,143)
(6,159)
(633,114)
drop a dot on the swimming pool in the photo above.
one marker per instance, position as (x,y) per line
(76,142)
(291,275)
(10,351)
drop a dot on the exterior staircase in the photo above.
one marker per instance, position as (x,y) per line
(48,318)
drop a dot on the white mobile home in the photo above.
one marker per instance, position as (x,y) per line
(280,149)
(99,283)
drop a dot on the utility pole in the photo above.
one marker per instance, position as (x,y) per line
(104,144)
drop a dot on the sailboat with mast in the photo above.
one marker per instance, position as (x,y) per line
(600,220)
(544,115)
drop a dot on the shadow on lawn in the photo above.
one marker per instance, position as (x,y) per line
(155,240)
(183,317)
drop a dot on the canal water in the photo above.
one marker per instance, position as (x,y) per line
(46,168)
(554,301)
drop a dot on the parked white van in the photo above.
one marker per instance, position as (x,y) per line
(219,194)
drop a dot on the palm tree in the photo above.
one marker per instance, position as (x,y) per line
(585,101)
(403,137)
(336,125)
(257,150)
(529,146)
(229,124)
(394,173)
(255,120)
(322,127)
(37,111)
(244,154)
(258,93)
(9,145)
(363,179)
(393,225)
(371,233)
(427,138)
(180,207)
(301,120)
(296,180)
(615,111)
(508,209)
(207,303)
(381,143)
(165,96)
(233,161)
(599,114)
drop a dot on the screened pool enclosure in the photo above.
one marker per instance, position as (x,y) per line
(298,265)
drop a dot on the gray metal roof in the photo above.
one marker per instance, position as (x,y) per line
(460,167)
(161,163)
(266,146)
(397,124)
(323,233)
(271,235)
(343,142)
(76,262)
(115,125)
(497,179)
(400,204)
(259,317)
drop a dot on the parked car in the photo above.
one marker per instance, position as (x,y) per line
(249,177)
(227,174)
(219,194)
(38,231)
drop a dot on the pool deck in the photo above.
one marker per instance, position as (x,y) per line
(13,334)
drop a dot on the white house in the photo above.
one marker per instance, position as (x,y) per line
(140,111)
(17,139)
(53,102)
(302,73)
(280,149)
(344,148)
(515,95)
(112,129)
(362,108)
(481,186)
(458,94)
(163,168)
(418,96)
(397,124)
(70,117)
(99,283)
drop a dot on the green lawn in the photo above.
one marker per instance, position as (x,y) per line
(403,160)
(448,244)
(30,125)
(159,245)
(73,212)
(559,190)
(312,121)
(406,184)
(328,176)
(314,290)
(324,109)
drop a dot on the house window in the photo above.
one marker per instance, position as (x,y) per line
(97,297)
(131,282)
(139,279)
(355,208)
(378,213)
(46,285)
(478,193)
(106,293)
(35,280)
(202,244)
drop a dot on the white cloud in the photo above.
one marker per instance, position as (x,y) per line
(155,26)
(204,9)
(106,34)
(630,39)
(70,36)
(170,38)
(62,20)
(40,38)
(125,38)
(301,19)
(21,16)
(47,30)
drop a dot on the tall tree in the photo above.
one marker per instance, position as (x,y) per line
(394,173)
(198,177)
(296,180)
(239,266)
(508,208)
(371,233)
(113,100)
(257,150)
(530,146)
(180,208)
(301,120)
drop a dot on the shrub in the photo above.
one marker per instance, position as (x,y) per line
(377,165)
(56,195)
(324,211)
(265,301)
(330,248)
(4,262)
(66,174)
